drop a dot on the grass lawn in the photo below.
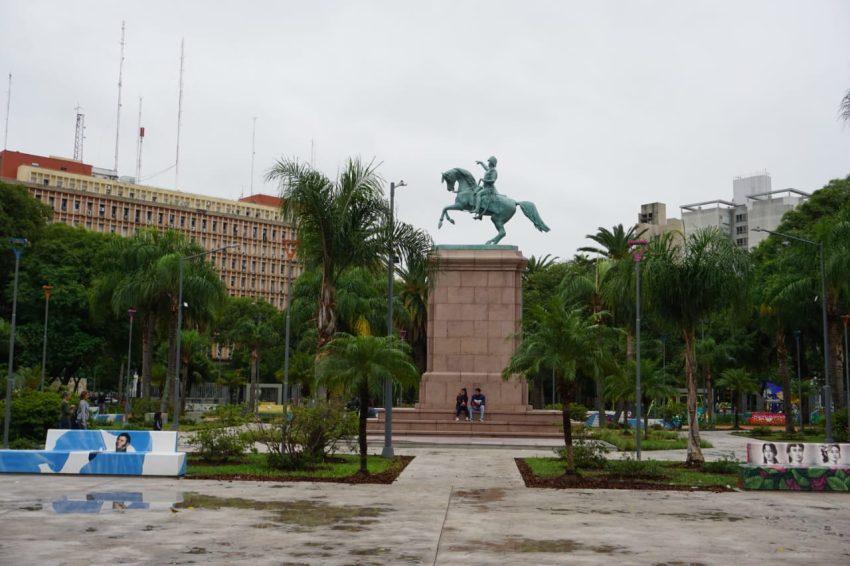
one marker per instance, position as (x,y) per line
(255,466)
(658,439)
(646,474)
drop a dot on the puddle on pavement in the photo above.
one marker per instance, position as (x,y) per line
(716,516)
(306,514)
(523,545)
(115,501)
(481,496)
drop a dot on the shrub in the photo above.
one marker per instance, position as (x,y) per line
(629,467)
(588,455)
(306,435)
(139,406)
(839,425)
(228,415)
(219,444)
(578,412)
(726,465)
(32,413)
(675,414)
(758,431)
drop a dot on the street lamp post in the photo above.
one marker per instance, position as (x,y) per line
(387,452)
(176,395)
(130,313)
(291,247)
(637,254)
(827,411)
(797,334)
(47,289)
(845,318)
(18,245)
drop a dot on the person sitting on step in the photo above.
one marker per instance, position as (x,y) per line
(477,404)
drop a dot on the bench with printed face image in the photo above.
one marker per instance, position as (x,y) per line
(797,466)
(100,452)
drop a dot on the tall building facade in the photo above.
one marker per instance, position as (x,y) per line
(653,221)
(97,200)
(754,205)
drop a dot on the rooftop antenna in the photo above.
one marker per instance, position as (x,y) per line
(79,134)
(253,152)
(179,117)
(120,77)
(312,154)
(8,101)
(139,141)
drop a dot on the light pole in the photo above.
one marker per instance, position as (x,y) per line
(637,254)
(845,318)
(387,452)
(18,245)
(130,313)
(176,396)
(827,410)
(797,334)
(47,289)
(291,247)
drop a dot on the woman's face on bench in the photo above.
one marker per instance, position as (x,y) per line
(121,444)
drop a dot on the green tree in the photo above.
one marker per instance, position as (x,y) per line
(614,244)
(738,381)
(685,285)
(563,341)
(21,216)
(362,363)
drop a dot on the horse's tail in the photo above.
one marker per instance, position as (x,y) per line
(531,213)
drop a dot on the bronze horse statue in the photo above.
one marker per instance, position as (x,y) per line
(499,208)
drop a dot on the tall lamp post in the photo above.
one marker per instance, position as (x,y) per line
(291,247)
(827,411)
(797,334)
(47,289)
(18,245)
(176,396)
(845,318)
(131,313)
(387,452)
(637,254)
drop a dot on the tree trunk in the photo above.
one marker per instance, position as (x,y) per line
(326,319)
(736,396)
(252,383)
(709,393)
(568,427)
(148,324)
(695,458)
(600,404)
(782,358)
(171,371)
(361,428)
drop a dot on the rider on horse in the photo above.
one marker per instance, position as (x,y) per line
(487,187)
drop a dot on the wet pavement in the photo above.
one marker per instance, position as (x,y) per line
(456,503)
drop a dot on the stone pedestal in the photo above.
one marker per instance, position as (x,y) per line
(474,314)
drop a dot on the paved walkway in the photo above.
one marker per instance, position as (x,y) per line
(453,505)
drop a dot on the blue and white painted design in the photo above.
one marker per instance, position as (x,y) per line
(100,452)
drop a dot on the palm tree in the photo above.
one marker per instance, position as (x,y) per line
(686,284)
(614,243)
(562,341)
(362,363)
(738,381)
(339,223)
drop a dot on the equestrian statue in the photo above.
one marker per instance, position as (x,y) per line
(482,199)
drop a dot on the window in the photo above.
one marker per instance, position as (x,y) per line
(150,215)
(203,223)
(64,206)
(114,211)
(51,201)
(102,209)
(233,281)
(160,217)
(171,219)
(193,222)
(263,267)
(224,227)
(182,221)
(138,215)
(255,232)
(244,264)
(126,213)
(243,283)
(76,205)
(253,267)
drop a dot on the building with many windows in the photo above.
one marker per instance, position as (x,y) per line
(81,195)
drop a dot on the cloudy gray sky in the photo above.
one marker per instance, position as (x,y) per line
(592,107)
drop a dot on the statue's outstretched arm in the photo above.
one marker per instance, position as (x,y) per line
(483,165)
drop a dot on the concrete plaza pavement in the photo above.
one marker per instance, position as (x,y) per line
(458,502)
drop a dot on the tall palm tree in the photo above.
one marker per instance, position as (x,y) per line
(738,381)
(339,223)
(562,341)
(686,284)
(614,243)
(362,363)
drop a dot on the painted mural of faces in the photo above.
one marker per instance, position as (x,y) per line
(122,442)
(831,454)
(769,452)
(795,454)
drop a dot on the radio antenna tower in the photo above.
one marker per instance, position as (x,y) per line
(79,134)
(253,153)
(8,101)
(139,141)
(120,77)
(179,117)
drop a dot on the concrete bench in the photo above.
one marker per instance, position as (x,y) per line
(798,466)
(100,452)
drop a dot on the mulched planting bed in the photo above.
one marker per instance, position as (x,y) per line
(388,476)
(608,482)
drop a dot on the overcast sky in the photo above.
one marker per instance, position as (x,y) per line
(591,107)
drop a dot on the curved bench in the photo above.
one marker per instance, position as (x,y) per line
(100,452)
(798,466)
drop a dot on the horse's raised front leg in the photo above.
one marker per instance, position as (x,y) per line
(445,215)
(500,226)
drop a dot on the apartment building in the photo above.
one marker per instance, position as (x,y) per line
(96,199)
